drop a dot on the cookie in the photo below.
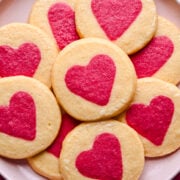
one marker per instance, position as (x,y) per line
(160,58)
(129,24)
(26,50)
(57,18)
(154,114)
(29,117)
(102,150)
(47,162)
(93,79)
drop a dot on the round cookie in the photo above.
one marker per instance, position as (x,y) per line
(29,117)
(154,114)
(57,18)
(93,79)
(102,150)
(26,50)
(160,58)
(129,24)
(47,163)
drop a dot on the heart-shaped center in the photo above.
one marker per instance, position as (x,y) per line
(93,82)
(152,121)
(21,61)
(68,123)
(115,16)
(19,118)
(62,21)
(150,59)
(103,161)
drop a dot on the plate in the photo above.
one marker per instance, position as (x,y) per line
(159,168)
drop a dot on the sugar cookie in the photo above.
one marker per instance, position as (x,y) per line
(26,50)
(93,79)
(102,150)
(57,18)
(29,117)
(154,114)
(47,162)
(129,24)
(160,58)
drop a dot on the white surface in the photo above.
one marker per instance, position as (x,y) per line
(155,169)
(178,1)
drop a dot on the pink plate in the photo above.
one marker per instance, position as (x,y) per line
(160,168)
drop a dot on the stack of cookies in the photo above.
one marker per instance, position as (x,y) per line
(88,88)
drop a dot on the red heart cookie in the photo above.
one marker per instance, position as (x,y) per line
(21,61)
(93,82)
(115,17)
(91,75)
(150,59)
(103,161)
(152,121)
(62,21)
(19,118)
(68,123)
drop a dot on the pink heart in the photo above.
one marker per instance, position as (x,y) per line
(93,82)
(68,123)
(21,61)
(62,21)
(152,121)
(115,16)
(103,161)
(150,59)
(19,118)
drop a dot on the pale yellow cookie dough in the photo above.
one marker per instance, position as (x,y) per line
(80,53)
(48,117)
(82,137)
(46,164)
(16,34)
(148,89)
(133,39)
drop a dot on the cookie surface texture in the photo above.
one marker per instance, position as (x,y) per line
(93,79)
(47,162)
(57,18)
(25,126)
(102,150)
(160,58)
(129,24)
(154,114)
(30,52)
